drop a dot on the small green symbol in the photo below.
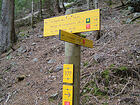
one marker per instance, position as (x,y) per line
(87,20)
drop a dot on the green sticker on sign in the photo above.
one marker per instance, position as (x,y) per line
(87,20)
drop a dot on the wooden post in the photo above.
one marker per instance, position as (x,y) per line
(73,56)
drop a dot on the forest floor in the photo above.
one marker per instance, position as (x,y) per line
(110,72)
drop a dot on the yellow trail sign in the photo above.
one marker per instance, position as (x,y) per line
(67,95)
(73,23)
(72,38)
(68,73)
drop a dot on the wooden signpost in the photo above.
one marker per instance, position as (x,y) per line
(75,39)
(65,26)
(73,23)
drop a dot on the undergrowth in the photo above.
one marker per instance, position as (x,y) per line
(109,83)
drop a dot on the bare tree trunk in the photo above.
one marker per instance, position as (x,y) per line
(64,8)
(96,4)
(13,36)
(122,2)
(7,35)
(57,8)
(97,32)
(32,13)
(40,9)
(88,4)
(48,6)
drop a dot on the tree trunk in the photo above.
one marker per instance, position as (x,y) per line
(40,9)
(97,35)
(64,8)
(32,13)
(88,4)
(48,6)
(122,2)
(57,8)
(7,35)
(96,4)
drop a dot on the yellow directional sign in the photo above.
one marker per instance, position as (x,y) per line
(67,95)
(68,73)
(72,38)
(73,23)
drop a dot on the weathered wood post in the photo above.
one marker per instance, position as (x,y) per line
(73,56)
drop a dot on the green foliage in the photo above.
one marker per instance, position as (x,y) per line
(69,6)
(123,68)
(112,65)
(109,2)
(69,1)
(82,35)
(92,88)
(50,100)
(105,74)
(85,64)
(23,7)
(122,71)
